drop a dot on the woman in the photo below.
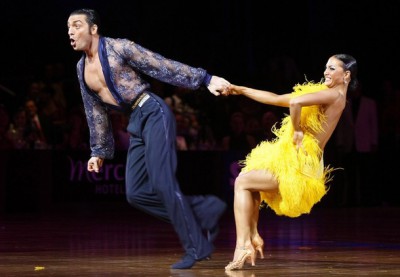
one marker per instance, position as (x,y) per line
(288,173)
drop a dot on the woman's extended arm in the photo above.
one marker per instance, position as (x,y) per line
(262,96)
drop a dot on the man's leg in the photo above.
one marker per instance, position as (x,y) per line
(208,210)
(160,163)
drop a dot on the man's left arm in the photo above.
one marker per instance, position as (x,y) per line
(170,71)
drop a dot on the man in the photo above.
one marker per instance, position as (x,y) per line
(110,74)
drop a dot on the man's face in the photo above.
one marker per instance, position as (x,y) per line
(79,32)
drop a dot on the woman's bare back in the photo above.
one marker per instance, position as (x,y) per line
(333,112)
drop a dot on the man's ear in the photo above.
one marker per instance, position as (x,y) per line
(93,29)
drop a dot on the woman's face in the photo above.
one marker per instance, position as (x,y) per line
(334,72)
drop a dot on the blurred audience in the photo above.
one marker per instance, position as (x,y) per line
(268,121)
(19,130)
(5,141)
(357,145)
(254,129)
(389,111)
(203,122)
(40,127)
(238,139)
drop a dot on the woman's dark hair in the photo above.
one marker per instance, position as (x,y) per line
(92,17)
(349,63)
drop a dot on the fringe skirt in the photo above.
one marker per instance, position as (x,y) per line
(300,173)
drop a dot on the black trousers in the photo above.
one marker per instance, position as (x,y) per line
(151,182)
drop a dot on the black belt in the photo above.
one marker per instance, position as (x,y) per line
(140,100)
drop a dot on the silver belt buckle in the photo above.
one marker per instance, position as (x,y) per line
(144,99)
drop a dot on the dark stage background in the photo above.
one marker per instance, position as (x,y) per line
(238,40)
(233,39)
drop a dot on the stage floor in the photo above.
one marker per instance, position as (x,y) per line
(116,240)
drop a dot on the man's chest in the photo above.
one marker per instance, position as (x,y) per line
(93,74)
(95,80)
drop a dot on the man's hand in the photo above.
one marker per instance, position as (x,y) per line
(94,164)
(217,85)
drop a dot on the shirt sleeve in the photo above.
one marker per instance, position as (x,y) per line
(163,69)
(101,136)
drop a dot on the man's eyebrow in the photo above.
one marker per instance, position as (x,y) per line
(75,21)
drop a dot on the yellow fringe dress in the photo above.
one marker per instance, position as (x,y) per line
(301,173)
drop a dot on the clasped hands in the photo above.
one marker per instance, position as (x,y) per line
(220,86)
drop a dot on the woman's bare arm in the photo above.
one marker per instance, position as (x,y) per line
(322,98)
(262,96)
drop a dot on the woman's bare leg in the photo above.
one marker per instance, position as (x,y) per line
(246,203)
(256,212)
(256,240)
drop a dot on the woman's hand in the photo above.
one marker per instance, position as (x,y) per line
(298,139)
(232,90)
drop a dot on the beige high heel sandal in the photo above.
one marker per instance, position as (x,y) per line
(245,254)
(258,244)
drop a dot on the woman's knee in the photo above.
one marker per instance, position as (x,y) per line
(256,181)
(241,182)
